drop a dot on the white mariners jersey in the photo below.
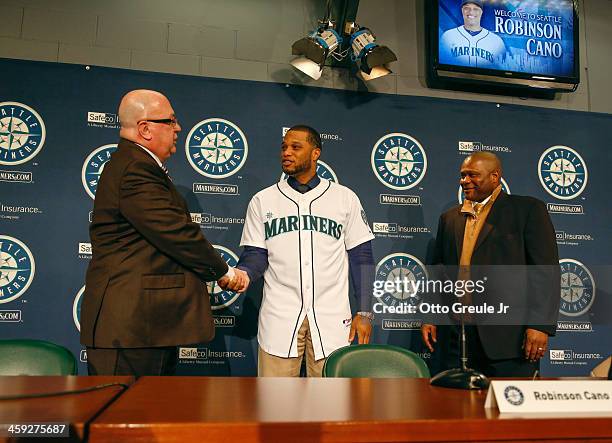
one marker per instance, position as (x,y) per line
(307,237)
(483,50)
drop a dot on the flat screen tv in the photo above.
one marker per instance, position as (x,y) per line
(509,43)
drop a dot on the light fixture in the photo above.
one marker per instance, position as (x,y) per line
(314,50)
(373,59)
(338,40)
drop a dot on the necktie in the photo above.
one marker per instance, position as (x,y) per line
(472,221)
(165,169)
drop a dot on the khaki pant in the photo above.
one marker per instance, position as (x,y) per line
(272,366)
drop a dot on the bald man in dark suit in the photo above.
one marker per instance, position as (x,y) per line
(500,231)
(145,286)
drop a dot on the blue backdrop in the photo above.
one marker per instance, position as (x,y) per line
(400,154)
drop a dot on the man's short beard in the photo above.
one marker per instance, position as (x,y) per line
(298,168)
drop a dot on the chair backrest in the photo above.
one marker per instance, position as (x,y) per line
(374,361)
(35,357)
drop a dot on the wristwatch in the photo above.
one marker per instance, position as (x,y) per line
(367,315)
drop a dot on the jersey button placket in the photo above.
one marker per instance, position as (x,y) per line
(306,262)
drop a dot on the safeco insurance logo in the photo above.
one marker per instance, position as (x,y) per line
(103,120)
(571,357)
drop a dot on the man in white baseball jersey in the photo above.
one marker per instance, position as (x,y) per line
(301,234)
(471,44)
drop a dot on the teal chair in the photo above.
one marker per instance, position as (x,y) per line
(374,361)
(35,357)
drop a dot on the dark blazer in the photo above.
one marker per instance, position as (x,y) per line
(517,231)
(145,283)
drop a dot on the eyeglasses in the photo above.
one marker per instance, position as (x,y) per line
(167,121)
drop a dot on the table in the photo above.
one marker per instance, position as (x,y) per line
(76,409)
(183,409)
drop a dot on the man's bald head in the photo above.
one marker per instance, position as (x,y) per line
(481,173)
(147,118)
(138,105)
(488,159)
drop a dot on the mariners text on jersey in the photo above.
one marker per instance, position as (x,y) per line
(458,51)
(291,223)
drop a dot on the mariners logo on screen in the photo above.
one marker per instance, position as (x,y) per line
(399,161)
(514,395)
(563,172)
(16,268)
(76,308)
(461,196)
(93,167)
(323,170)
(219,298)
(577,288)
(22,133)
(404,267)
(216,148)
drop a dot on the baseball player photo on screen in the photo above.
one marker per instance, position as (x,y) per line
(533,37)
(470,44)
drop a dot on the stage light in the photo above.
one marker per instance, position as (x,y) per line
(314,50)
(373,59)
(338,36)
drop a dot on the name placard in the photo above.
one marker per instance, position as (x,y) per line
(546,396)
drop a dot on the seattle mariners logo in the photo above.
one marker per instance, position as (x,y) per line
(461,196)
(76,308)
(216,148)
(563,172)
(93,167)
(16,268)
(22,133)
(514,395)
(399,161)
(219,298)
(397,267)
(577,288)
(323,170)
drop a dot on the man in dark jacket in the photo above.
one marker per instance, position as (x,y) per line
(506,235)
(145,286)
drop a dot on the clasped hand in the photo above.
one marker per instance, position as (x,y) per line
(238,283)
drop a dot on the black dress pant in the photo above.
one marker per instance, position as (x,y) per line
(132,361)
(449,346)
(512,367)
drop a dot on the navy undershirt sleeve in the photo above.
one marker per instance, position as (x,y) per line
(361,268)
(254,261)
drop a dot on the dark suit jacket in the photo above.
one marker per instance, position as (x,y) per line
(518,231)
(145,283)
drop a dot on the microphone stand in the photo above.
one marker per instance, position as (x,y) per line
(463,377)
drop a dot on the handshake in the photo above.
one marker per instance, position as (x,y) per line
(239,282)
